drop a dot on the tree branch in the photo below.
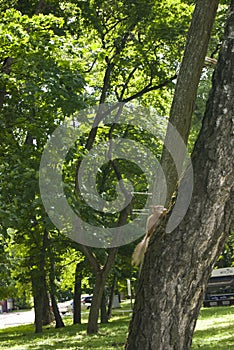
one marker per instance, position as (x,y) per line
(125,86)
(149,88)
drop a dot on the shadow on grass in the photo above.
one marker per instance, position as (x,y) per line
(73,337)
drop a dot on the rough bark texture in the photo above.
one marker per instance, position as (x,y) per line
(187,83)
(177,265)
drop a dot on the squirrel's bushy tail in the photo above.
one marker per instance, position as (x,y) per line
(138,254)
(151,224)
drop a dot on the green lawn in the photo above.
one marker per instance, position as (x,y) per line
(215,330)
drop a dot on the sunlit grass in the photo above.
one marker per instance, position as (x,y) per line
(214,331)
(72,337)
(111,336)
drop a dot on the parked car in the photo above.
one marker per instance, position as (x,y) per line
(66,306)
(86,302)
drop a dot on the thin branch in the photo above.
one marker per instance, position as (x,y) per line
(149,88)
(110,260)
(106,81)
(92,65)
(90,256)
(125,86)
(113,161)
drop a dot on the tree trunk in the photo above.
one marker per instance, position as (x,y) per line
(111,298)
(38,277)
(104,315)
(101,276)
(177,265)
(96,302)
(77,294)
(38,304)
(187,84)
(58,319)
(47,316)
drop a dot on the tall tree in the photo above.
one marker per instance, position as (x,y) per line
(36,87)
(187,83)
(177,265)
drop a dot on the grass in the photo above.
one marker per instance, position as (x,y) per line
(214,331)
(72,337)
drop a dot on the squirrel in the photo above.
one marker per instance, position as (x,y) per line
(151,224)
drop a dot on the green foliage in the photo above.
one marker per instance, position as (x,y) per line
(7,285)
(226,258)
(43,86)
(137,43)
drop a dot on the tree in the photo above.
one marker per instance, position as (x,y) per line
(38,89)
(177,265)
(187,83)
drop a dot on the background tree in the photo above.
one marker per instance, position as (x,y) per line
(34,101)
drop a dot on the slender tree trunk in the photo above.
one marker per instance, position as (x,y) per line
(111,298)
(38,299)
(58,319)
(77,294)
(48,316)
(177,265)
(96,302)
(100,280)
(38,277)
(187,84)
(104,315)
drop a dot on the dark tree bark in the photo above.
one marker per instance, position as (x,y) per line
(104,315)
(38,302)
(111,297)
(187,84)
(101,274)
(92,327)
(58,319)
(48,315)
(177,265)
(38,277)
(77,294)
